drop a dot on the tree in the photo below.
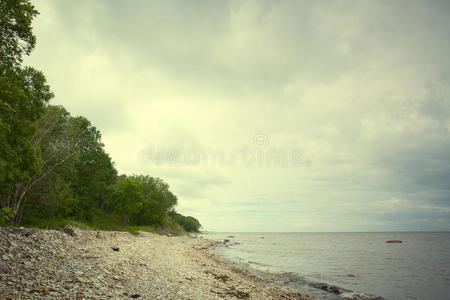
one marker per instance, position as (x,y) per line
(16,37)
(54,141)
(127,199)
(95,171)
(158,200)
(190,224)
(23,95)
(76,172)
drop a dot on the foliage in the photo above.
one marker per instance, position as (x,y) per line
(16,37)
(157,202)
(5,215)
(127,199)
(23,94)
(190,224)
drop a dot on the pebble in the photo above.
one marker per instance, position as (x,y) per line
(4,268)
(59,265)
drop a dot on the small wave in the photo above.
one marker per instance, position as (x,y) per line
(359,296)
(344,293)
(260,267)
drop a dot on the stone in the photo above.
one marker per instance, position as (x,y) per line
(4,268)
(85,267)
(69,231)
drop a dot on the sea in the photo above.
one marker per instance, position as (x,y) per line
(363,263)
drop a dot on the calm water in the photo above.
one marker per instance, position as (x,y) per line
(418,268)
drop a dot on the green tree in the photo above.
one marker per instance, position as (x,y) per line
(190,224)
(95,172)
(16,36)
(76,175)
(158,200)
(127,199)
(23,94)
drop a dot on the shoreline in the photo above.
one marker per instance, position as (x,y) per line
(82,264)
(291,281)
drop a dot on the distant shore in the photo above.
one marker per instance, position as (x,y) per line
(84,264)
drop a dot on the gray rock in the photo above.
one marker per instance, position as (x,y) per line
(4,268)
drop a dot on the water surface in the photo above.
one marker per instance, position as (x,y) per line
(418,268)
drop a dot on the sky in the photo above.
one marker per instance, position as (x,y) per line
(266,115)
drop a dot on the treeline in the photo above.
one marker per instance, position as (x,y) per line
(53,166)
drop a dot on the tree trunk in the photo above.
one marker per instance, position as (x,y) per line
(18,216)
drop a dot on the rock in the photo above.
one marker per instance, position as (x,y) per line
(393,241)
(230,236)
(226,241)
(115,248)
(232,291)
(69,231)
(4,268)
(135,296)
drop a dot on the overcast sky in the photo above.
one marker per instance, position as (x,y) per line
(266,115)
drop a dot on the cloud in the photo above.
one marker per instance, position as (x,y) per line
(360,90)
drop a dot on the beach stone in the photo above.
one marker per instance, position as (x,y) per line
(148,266)
(69,231)
(4,268)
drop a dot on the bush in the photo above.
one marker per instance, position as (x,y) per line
(190,224)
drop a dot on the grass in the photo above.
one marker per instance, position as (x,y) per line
(102,221)
(135,229)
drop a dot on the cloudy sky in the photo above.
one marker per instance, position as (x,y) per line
(266,115)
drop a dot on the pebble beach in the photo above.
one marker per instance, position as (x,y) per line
(80,264)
